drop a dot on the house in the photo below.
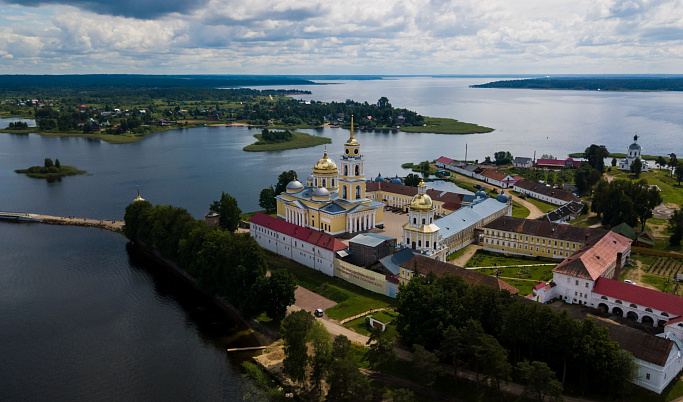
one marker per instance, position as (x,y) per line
(642,239)
(659,358)
(523,162)
(558,163)
(564,213)
(308,247)
(496,178)
(544,192)
(443,162)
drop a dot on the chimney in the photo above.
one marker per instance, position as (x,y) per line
(617,268)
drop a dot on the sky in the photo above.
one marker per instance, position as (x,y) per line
(379,37)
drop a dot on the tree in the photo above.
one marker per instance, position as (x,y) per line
(493,360)
(502,158)
(320,342)
(636,167)
(487,160)
(412,180)
(673,162)
(383,102)
(347,383)
(595,155)
(380,352)
(230,212)
(660,161)
(277,293)
(341,347)
(135,219)
(57,164)
(267,199)
(283,179)
(295,328)
(452,348)
(539,381)
(548,156)
(425,365)
(675,227)
(679,172)
(614,162)
(48,163)
(624,201)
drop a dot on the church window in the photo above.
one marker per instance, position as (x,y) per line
(357,192)
(649,310)
(603,297)
(414,221)
(419,243)
(537,248)
(346,168)
(427,243)
(423,221)
(577,283)
(344,195)
(324,183)
(633,306)
(434,246)
(357,170)
(332,182)
(618,301)
(430,220)
(586,284)
(665,314)
(316,182)
(647,376)
(355,151)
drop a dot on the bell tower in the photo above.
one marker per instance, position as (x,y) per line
(352,176)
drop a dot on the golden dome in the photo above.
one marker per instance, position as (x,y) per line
(325,164)
(421,202)
(352,140)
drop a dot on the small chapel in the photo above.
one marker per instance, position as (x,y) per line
(634,151)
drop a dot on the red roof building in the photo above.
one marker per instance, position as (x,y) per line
(313,237)
(638,295)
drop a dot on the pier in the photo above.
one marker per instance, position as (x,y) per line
(108,224)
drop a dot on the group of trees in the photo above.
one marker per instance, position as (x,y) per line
(19,125)
(267,196)
(675,228)
(269,137)
(333,362)
(491,331)
(231,265)
(624,201)
(230,213)
(502,158)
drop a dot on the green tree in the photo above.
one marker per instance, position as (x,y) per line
(614,162)
(673,162)
(624,201)
(539,382)
(425,365)
(412,180)
(675,227)
(347,383)
(595,155)
(230,212)
(502,158)
(493,360)
(381,353)
(341,348)
(660,161)
(679,172)
(283,179)
(136,218)
(57,164)
(636,167)
(452,348)
(267,199)
(320,361)
(295,328)
(48,163)
(277,293)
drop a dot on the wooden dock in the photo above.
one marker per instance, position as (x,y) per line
(246,349)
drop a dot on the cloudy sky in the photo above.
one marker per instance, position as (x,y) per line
(341,37)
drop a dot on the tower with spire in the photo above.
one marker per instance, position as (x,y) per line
(352,176)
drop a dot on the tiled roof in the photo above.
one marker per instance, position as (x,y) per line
(547,191)
(493,174)
(319,239)
(444,160)
(641,296)
(594,259)
(550,162)
(568,209)
(539,286)
(440,268)
(546,229)
(393,261)
(642,346)
(436,195)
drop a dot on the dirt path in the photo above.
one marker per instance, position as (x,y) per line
(469,252)
(113,225)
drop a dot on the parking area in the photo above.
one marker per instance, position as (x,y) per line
(309,301)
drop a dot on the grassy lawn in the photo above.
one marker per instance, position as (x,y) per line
(662,283)
(670,190)
(519,211)
(543,206)
(269,322)
(670,393)
(541,273)
(301,140)
(457,254)
(440,125)
(487,259)
(463,184)
(352,299)
(586,220)
(360,325)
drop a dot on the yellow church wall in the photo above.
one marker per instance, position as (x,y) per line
(280,208)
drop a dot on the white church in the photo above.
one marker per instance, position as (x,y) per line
(634,151)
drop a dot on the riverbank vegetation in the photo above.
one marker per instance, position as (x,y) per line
(230,265)
(651,83)
(50,170)
(439,125)
(270,140)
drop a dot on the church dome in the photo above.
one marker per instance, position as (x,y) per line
(379,179)
(634,146)
(294,186)
(396,180)
(421,202)
(481,194)
(326,165)
(321,193)
(502,198)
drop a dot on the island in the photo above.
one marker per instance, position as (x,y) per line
(50,170)
(270,140)
(593,83)
(117,112)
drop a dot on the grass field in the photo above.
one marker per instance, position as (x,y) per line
(301,140)
(670,190)
(352,299)
(543,206)
(438,125)
(487,259)
(360,325)
(519,210)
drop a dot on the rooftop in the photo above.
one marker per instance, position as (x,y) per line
(642,346)
(467,216)
(594,259)
(546,229)
(320,239)
(547,191)
(639,295)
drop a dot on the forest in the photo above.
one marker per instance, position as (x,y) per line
(592,83)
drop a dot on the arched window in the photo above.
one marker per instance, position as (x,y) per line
(414,221)
(357,170)
(665,314)
(344,195)
(423,221)
(618,301)
(358,192)
(346,170)
(419,243)
(427,244)
(332,182)
(649,310)
(430,220)
(316,182)
(603,297)
(633,305)
(324,183)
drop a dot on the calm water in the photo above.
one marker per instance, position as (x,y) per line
(81,320)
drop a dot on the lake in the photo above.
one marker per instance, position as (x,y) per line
(82,319)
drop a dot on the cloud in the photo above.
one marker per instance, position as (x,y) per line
(141,9)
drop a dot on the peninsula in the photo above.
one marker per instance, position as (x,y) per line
(282,140)
(587,83)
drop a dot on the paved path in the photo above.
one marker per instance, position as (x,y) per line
(113,225)
(513,266)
